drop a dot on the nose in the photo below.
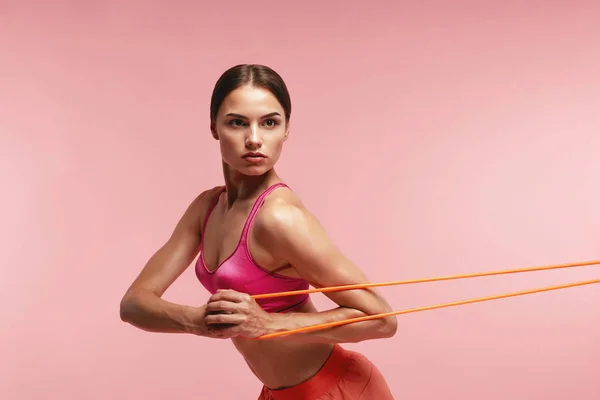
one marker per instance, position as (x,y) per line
(253,140)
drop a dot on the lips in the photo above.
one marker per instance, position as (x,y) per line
(254,157)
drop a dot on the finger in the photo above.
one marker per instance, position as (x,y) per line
(233,297)
(221,306)
(235,319)
(229,295)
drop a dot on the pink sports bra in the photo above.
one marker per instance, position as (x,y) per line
(241,273)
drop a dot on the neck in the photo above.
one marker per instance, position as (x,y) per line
(240,186)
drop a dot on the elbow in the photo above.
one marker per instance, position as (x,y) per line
(383,328)
(127,308)
(389,327)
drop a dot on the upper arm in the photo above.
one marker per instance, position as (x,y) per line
(294,235)
(177,253)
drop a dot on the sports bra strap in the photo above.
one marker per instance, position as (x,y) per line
(257,204)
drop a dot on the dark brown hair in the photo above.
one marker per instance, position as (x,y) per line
(256,75)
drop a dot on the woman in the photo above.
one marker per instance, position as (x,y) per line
(253,235)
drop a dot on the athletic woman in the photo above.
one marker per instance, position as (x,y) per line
(253,235)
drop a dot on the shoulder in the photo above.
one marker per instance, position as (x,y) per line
(281,211)
(198,208)
(285,225)
(206,198)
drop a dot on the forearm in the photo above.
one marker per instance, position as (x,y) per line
(349,333)
(148,312)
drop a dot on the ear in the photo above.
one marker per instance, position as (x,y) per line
(287,131)
(213,130)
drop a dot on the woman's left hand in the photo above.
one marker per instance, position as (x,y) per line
(229,311)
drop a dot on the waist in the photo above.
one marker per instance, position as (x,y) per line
(281,365)
(326,377)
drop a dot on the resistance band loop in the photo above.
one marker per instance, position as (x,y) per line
(412,310)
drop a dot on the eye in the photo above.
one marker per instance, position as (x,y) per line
(270,122)
(236,122)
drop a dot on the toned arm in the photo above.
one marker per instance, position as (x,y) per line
(142,305)
(292,234)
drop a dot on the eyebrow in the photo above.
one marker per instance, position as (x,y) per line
(264,116)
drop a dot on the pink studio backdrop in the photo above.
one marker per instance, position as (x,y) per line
(430,139)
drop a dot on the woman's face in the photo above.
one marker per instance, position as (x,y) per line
(251,128)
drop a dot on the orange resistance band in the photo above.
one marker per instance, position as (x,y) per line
(393,313)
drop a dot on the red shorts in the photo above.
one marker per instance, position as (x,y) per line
(345,375)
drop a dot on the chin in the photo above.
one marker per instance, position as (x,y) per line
(255,171)
(251,170)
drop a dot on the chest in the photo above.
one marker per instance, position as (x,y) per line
(223,233)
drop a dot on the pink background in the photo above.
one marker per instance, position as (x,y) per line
(429,138)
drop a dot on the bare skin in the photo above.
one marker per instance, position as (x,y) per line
(285,238)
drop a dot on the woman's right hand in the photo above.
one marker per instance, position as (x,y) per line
(214,331)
